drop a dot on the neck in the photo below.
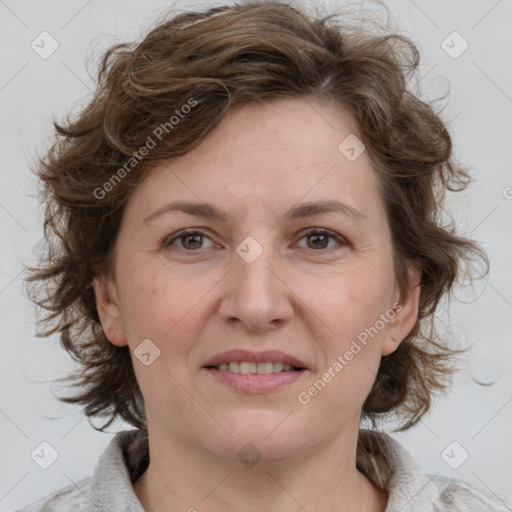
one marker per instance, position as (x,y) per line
(183,477)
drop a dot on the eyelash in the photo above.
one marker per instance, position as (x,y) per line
(312,231)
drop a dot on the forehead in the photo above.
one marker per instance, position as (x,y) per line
(293,129)
(268,156)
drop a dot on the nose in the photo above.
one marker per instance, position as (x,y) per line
(256,295)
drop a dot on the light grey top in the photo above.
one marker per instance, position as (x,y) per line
(110,488)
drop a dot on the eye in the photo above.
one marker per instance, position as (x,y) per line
(190,240)
(320,238)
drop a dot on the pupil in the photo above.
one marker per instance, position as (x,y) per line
(324,237)
(189,237)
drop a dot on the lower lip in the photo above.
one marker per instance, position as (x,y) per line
(255,383)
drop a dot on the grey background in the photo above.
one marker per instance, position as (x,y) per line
(34,90)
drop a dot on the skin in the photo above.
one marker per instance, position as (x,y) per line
(197,297)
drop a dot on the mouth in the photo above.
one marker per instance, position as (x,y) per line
(255,372)
(261,363)
(251,368)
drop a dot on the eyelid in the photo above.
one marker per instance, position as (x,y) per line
(184,232)
(341,240)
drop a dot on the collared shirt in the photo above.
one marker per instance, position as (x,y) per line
(381,458)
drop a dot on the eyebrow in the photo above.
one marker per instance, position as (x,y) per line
(303,210)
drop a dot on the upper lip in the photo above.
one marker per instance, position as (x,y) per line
(266,356)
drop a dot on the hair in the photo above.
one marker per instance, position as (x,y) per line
(212,62)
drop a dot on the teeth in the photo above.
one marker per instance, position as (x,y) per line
(278,367)
(249,368)
(264,368)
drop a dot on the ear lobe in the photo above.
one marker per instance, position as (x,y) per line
(108,310)
(405,313)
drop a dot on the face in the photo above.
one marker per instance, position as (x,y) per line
(269,281)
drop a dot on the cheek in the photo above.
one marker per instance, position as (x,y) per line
(165,305)
(351,307)
(153,302)
(351,350)
(350,301)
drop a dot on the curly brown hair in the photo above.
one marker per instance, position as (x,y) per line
(216,60)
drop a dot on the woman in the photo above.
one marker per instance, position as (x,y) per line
(246,260)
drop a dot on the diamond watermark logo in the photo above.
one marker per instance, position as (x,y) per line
(249,249)
(454,45)
(41,249)
(249,455)
(44,45)
(44,455)
(351,147)
(147,352)
(454,455)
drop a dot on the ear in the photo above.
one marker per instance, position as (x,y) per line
(108,310)
(405,312)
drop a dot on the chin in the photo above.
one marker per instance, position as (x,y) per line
(262,437)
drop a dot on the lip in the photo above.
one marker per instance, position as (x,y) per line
(273,356)
(254,383)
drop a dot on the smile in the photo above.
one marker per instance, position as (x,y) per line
(248,368)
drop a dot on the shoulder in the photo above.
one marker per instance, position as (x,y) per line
(388,465)
(457,495)
(72,497)
(110,488)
